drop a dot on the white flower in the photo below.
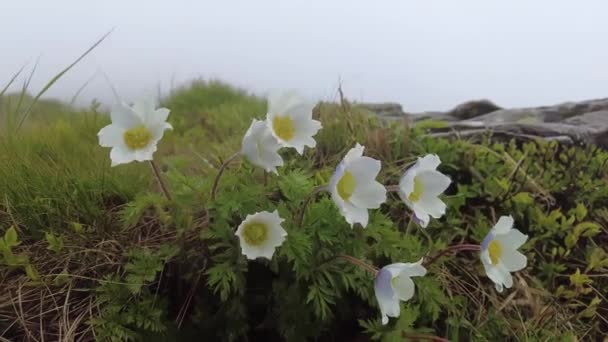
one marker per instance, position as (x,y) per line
(393,283)
(260,234)
(354,188)
(499,253)
(134,132)
(421,186)
(290,121)
(261,148)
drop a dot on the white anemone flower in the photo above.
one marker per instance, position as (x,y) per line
(134,132)
(354,188)
(260,233)
(499,253)
(393,283)
(261,148)
(290,121)
(420,188)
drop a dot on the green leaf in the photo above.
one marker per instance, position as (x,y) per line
(523,198)
(580,212)
(11,238)
(55,242)
(31,272)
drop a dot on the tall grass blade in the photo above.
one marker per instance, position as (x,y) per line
(56,78)
(12,80)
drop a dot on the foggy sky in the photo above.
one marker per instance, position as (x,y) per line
(427,55)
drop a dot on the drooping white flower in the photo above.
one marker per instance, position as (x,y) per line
(259,234)
(354,188)
(134,131)
(499,253)
(290,121)
(420,187)
(393,283)
(261,148)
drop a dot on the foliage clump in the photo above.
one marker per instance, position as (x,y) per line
(93,252)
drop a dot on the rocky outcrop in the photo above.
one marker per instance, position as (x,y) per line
(570,122)
(473,109)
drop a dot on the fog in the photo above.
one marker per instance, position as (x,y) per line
(427,55)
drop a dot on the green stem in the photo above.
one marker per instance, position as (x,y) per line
(223,167)
(159,179)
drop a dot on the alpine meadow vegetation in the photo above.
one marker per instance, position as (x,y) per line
(284,220)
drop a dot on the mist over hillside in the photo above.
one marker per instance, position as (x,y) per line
(424,55)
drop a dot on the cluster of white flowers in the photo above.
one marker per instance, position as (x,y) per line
(136,130)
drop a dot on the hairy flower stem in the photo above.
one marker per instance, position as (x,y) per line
(307,201)
(370,268)
(159,179)
(452,249)
(223,167)
(392,188)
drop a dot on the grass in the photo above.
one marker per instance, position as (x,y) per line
(116,229)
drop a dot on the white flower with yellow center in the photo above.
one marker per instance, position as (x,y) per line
(134,132)
(261,148)
(260,234)
(354,188)
(421,186)
(499,253)
(394,283)
(290,121)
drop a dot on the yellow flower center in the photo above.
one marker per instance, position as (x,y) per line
(495,251)
(394,281)
(283,127)
(346,185)
(138,137)
(255,233)
(417,192)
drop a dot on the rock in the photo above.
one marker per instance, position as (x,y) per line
(569,122)
(554,113)
(597,124)
(471,109)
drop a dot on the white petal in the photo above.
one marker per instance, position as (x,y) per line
(121,155)
(410,269)
(433,182)
(432,206)
(428,162)
(144,108)
(387,301)
(497,273)
(335,178)
(513,239)
(364,169)
(261,148)
(369,195)
(299,142)
(301,111)
(354,153)
(279,103)
(146,153)
(160,115)
(513,260)
(158,130)
(123,116)
(403,287)
(504,224)
(421,214)
(354,214)
(111,135)
(406,185)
